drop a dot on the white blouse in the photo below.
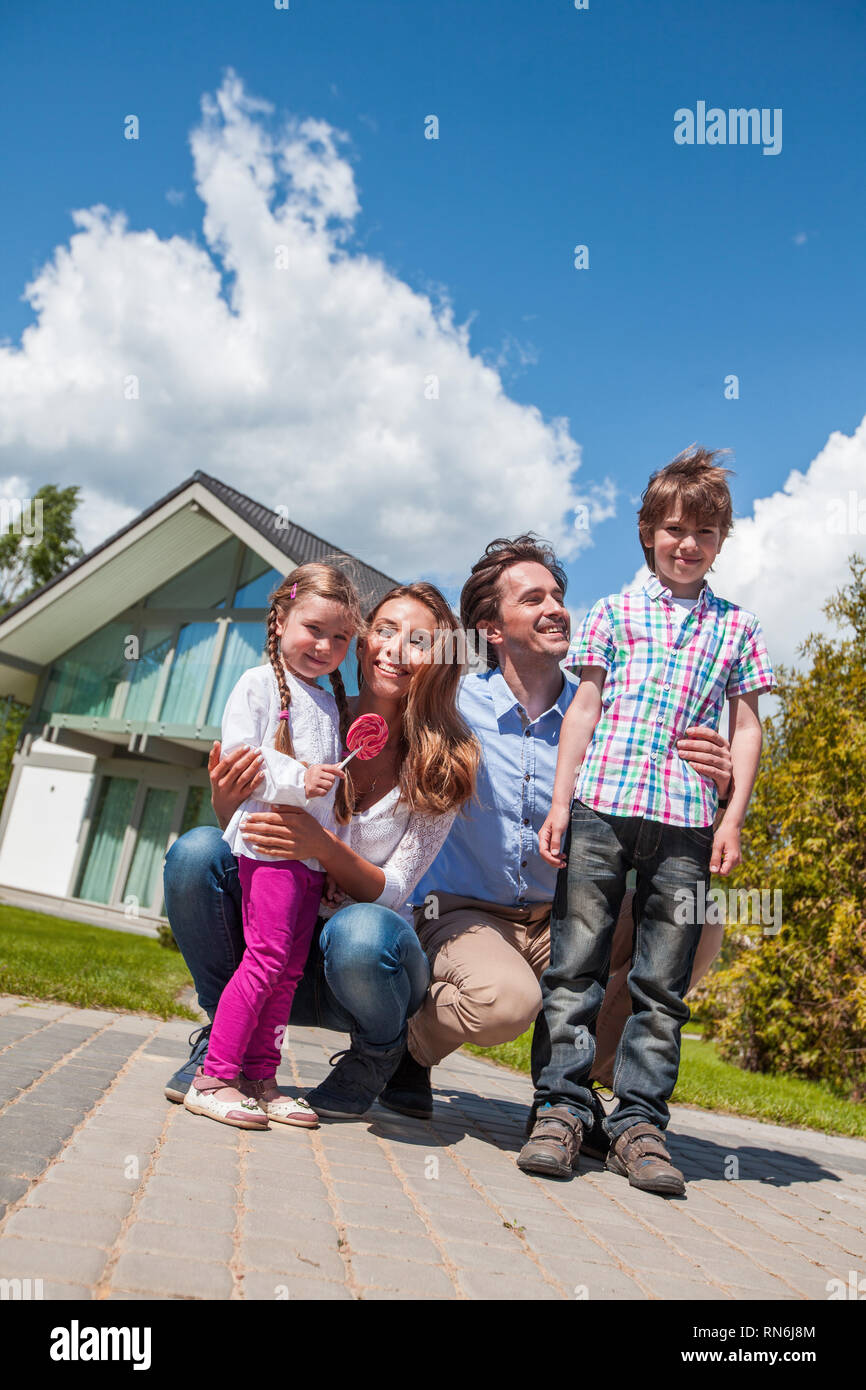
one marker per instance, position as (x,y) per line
(401,843)
(251,719)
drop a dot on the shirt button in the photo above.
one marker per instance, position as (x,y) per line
(523,863)
(667,687)
(659,721)
(525,820)
(527,777)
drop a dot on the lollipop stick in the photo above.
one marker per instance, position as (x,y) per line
(349,759)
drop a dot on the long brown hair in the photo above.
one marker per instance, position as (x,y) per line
(321,581)
(439,755)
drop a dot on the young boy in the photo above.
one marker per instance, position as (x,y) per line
(652,663)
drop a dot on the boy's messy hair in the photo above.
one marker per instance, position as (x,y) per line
(694,485)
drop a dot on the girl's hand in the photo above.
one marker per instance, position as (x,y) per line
(320,777)
(726,849)
(232,779)
(286,832)
(709,754)
(550,836)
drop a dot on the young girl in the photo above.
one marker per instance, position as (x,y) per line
(298,728)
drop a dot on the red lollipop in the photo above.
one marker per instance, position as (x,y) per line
(367,736)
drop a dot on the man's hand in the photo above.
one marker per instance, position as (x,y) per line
(726,849)
(709,754)
(320,777)
(550,836)
(232,779)
(286,832)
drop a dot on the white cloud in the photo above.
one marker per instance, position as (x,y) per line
(786,559)
(302,386)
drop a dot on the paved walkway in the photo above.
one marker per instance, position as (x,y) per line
(108,1191)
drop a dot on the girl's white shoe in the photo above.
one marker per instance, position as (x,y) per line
(222,1101)
(283,1109)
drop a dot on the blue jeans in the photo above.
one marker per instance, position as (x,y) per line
(366,973)
(671,861)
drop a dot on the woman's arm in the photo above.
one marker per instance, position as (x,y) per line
(291,833)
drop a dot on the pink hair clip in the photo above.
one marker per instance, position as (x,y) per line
(294,589)
(284,714)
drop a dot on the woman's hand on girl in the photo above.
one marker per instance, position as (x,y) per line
(232,779)
(286,832)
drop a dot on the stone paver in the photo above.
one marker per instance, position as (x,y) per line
(107,1191)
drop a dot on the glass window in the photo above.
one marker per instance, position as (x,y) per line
(114,807)
(189,672)
(244,647)
(144,880)
(198,810)
(257,581)
(85,679)
(145,672)
(203,585)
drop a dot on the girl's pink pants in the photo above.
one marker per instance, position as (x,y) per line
(280,905)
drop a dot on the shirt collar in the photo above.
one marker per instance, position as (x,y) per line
(505,700)
(653,586)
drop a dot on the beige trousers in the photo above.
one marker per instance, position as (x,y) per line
(486,961)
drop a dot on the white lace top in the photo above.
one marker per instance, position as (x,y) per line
(251,719)
(401,843)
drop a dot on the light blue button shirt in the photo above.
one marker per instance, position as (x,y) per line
(492,850)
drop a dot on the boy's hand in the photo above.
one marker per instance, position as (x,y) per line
(726,849)
(550,836)
(320,777)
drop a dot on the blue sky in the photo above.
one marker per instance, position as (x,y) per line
(556,128)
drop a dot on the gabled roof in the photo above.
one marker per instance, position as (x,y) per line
(173,533)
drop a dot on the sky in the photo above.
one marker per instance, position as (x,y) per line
(283,281)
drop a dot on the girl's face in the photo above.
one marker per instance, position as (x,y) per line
(314,636)
(399,640)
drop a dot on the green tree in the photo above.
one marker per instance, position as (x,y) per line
(27,561)
(33,549)
(796,1002)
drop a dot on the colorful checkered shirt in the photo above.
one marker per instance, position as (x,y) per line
(662,678)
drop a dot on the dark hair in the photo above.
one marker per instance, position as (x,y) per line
(479,599)
(695,483)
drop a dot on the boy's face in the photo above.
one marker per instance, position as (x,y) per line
(684,550)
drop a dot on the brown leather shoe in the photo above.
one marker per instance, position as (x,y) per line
(554,1145)
(639,1154)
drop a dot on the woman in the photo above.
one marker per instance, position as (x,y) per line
(366,973)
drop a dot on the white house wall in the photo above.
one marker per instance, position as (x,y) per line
(43,828)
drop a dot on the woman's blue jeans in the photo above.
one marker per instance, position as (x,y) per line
(366,973)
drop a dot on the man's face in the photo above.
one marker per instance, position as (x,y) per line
(532,617)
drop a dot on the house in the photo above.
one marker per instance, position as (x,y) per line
(126,660)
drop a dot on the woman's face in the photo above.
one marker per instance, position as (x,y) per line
(400,640)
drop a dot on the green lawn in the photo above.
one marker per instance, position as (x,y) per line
(707,1081)
(49,958)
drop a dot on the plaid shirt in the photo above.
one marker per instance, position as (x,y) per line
(661,679)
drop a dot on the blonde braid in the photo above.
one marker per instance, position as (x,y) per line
(283,737)
(344,802)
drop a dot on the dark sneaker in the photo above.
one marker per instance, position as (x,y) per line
(554,1145)
(596,1141)
(180,1083)
(639,1154)
(357,1079)
(409,1092)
